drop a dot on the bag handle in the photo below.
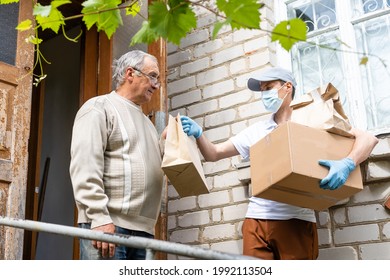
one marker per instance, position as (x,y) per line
(302,101)
(330,92)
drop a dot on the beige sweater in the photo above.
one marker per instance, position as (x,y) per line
(116,164)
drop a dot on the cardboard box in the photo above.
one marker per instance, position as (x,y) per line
(284,166)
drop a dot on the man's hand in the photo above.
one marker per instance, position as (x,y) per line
(190,127)
(339,171)
(164,133)
(106,249)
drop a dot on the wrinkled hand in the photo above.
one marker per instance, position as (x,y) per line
(107,249)
(339,171)
(190,127)
(164,133)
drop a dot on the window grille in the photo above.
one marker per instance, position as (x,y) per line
(341,33)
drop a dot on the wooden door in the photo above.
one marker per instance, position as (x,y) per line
(16,61)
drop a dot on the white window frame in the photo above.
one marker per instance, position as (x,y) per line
(354,94)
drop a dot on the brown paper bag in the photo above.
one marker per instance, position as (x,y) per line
(321,108)
(181,162)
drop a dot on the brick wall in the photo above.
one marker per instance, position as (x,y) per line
(207,81)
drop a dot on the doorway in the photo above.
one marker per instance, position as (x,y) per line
(54,105)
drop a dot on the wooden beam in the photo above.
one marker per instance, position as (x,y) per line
(89,65)
(159,101)
(157,108)
(104,64)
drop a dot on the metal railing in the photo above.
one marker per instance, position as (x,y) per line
(151,245)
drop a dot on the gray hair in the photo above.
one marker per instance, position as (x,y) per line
(134,59)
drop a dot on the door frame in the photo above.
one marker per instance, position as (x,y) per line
(16,86)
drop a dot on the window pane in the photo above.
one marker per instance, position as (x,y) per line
(125,32)
(372,5)
(9,14)
(316,14)
(373,38)
(362,7)
(316,66)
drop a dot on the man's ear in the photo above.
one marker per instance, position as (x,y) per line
(289,86)
(130,74)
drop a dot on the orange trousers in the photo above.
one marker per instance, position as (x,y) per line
(280,239)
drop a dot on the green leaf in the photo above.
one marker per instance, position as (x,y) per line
(34,40)
(241,13)
(8,1)
(24,25)
(289,32)
(173,23)
(144,35)
(104,13)
(43,11)
(58,3)
(218,25)
(53,22)
(133,9)
(49,17)
(364,60)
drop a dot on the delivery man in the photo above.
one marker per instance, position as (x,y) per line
(275,230)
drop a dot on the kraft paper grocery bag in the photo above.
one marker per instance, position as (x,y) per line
(181,162)
(321,108)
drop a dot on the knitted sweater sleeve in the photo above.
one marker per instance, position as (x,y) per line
(89,140)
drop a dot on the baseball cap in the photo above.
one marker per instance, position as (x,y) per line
(271,74)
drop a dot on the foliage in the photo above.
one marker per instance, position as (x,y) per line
(102,13)
(171,20)
(8,1)
(49,17)
(289,32)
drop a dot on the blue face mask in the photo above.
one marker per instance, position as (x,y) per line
(271,99)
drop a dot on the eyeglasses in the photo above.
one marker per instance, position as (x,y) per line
(153,79)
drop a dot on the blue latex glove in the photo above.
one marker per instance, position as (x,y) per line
(338,173)
(191,127)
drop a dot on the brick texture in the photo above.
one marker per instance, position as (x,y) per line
(353,234)
(339,253)
(377,251)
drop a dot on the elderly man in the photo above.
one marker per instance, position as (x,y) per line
(116,160)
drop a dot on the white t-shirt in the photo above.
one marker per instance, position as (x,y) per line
(259,208)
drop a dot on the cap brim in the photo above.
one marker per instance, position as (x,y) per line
(254,84)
